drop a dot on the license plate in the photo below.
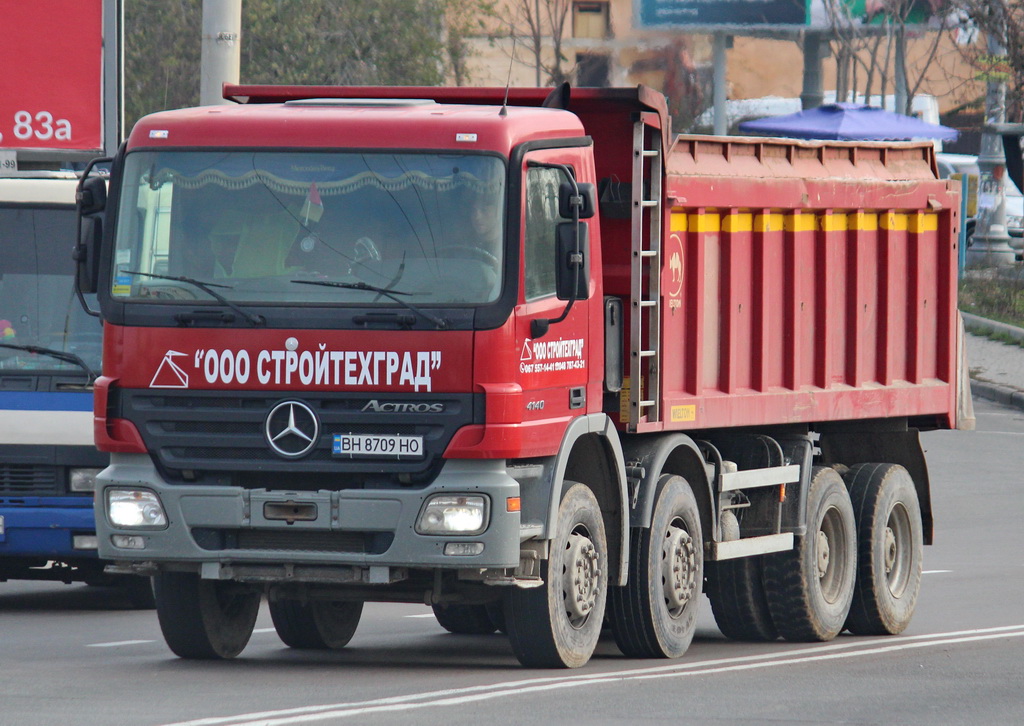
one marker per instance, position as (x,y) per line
(376,446)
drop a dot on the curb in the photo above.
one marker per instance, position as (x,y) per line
(1012,397)
(1005,395)
(983,326)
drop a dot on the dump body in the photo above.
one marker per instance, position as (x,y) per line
(807,284)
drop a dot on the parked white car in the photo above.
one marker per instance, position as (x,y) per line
(966,164)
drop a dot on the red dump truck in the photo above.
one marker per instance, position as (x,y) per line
(520,355)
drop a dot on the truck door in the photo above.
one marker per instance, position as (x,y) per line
(554,366)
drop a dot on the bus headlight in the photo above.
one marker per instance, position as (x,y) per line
(448,514)
(135,508)
(83,480)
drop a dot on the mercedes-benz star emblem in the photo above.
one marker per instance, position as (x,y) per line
(292,429)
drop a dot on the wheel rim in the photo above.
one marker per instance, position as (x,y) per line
(898,550)
(580,573)
(678,568)
(830,555)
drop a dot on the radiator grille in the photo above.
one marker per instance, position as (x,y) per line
(28,480)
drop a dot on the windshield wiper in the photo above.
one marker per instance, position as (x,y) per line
(440,323)
(207,287)
(58,354)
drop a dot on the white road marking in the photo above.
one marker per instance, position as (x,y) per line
(118,643)
(460,696)
(265,630)
(935,572)
(421,615)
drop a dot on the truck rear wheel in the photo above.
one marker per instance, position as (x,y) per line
(655,615)
(316,624)
(890,542)
(465,619)
(204,619)
(809,589)
(736,592)
(557,625)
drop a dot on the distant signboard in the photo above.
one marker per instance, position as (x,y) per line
(767,14)
(51,75)
(653,13)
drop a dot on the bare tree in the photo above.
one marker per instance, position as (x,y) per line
(1005,21)
(871,48)
(541,25)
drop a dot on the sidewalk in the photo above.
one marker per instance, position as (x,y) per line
(997,368)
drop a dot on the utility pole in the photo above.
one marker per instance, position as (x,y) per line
(815,49)
(990,246)
(221,49)
(719,64)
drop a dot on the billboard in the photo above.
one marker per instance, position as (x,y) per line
(721,13)
(768,14)
(51,75)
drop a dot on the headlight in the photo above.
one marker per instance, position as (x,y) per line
(135,508)
(83,480)
(448,514)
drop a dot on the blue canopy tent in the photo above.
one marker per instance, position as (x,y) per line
(848,122)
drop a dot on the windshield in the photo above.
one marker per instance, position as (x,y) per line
(260,224)
(38,307)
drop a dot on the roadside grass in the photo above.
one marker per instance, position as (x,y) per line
(995,295)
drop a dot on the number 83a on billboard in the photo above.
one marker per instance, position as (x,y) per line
(41,126)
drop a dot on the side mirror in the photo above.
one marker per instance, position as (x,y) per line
(587,200)
(91,201)
(572,268)
(87,253)
(91,196)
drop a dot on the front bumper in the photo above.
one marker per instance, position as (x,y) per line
(217,528)
(46,527)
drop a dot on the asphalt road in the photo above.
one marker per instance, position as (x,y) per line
(71,655)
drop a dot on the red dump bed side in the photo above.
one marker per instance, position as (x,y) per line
(806,282)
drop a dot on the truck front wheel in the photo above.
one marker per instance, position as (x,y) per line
(465,619)
(317,624)
(204,619)
(890,540)
(809,588)
(557,625)
(655,615)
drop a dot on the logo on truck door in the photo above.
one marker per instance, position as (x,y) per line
(292,429)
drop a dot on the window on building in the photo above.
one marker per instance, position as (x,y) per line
(590,20)
(593,70)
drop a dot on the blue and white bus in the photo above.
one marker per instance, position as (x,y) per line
(49,356)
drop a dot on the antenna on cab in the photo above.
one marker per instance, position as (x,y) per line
(504,104)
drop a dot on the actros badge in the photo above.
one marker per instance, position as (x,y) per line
(292,429)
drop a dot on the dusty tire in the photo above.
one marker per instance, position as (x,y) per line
(655,615)
(736,592)
(465,619)
(496,612)
(204,619)
(889,548)
(316,624)
(139,591)
(557,625)
(809,589)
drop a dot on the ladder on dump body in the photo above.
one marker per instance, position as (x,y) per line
(645,274)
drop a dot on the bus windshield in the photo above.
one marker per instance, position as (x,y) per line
(38,306)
